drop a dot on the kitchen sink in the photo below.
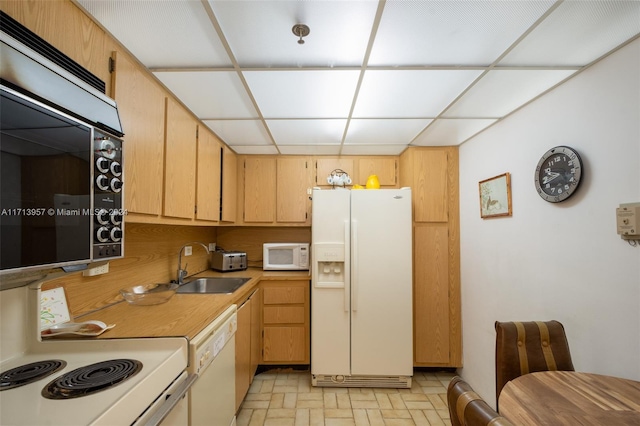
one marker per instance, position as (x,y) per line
(213,285)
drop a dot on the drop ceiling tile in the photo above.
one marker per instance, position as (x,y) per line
(313,132)
(500,92)
(240,132)
(303,94)
(373,149)
(443,132)
(451,32)
(162,33)
(410,93)
(384,131)
(577,33)
(259,32)
(255,149)
(309,149)
(210,94)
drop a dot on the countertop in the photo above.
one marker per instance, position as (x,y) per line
(184,314)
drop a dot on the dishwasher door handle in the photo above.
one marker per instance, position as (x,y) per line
(172,401)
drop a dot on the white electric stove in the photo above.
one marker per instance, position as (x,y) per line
(132,375)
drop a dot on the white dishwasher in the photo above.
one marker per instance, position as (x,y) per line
(212,356)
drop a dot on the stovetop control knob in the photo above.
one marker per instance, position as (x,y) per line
(102,164)
(116,219)
(102,217)
(103,182)
(116,185)
(116,234)
(116,168)
(103,234)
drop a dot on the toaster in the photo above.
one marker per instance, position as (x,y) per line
(225,261)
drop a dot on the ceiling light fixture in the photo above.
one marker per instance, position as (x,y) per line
(300,30)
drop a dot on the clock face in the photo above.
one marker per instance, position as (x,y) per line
(558,174)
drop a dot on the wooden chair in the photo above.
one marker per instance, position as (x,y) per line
(527,347)
(466,408)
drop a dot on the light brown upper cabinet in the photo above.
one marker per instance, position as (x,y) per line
(180,162)
(428,170)
(359,168)
(384,168)
(141,103)
(208,176)
(228,211)
(275,190)
(293,182)
(324,167)
(259,189)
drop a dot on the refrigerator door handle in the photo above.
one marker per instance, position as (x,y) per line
(346,278)
(354,265)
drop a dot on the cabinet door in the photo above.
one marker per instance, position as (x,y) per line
(285,319)
(259,189)
(208,181)
(141,103)
(324,167)
(431,294)
(256,343)
(384,168)
(293,181)
(180,164)
(243,352)
(229,209)
(284,344)
(430,186)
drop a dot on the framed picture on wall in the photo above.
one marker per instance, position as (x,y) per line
(495,196)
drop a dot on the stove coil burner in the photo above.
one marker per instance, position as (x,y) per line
(92,378)
(29,373)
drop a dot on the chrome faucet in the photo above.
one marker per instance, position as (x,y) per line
(182,273)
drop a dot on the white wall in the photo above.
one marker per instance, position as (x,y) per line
(560,261)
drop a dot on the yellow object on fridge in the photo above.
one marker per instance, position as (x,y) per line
(373,182)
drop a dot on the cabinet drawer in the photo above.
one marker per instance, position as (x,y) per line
(284,344)
(283,295)
(283,314)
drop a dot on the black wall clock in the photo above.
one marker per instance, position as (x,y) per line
(558,174)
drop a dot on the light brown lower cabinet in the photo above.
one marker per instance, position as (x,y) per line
(285,322)
(247,345)
(256,330)
(431,294)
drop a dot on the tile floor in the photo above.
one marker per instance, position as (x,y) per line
(286,398)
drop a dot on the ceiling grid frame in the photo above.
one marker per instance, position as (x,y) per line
(265,28)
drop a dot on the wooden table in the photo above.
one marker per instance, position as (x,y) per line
(570,398)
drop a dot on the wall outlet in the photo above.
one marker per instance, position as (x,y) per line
(188,250)
(212,246)
(96,270)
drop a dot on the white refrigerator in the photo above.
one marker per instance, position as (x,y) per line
(361,297)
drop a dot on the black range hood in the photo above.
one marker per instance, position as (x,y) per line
(34,67)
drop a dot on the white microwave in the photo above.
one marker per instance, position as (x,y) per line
(285,256)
